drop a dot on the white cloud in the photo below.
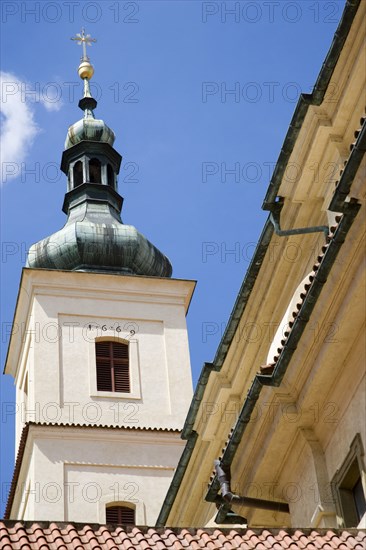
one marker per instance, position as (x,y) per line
(50,96)
(18,127)
(51,105)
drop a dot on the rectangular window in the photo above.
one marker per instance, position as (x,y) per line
(348,488)
(112,361)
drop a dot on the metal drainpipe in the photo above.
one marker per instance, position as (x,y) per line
(229,498)
(350,211)
(300,231)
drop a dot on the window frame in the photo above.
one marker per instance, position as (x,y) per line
(134,367)
(110,176)
(344,481)
(78,176)
(109,500)
(113,364)
(95,170)
(120,508)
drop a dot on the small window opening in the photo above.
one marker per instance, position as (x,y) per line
(78,173)
(347,486)
(110,175)
(352,496)
(120,514)
(112,360)
(95,171)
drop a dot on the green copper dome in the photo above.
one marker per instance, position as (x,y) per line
(94,237)
(89,129)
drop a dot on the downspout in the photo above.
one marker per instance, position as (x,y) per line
(350,211)
(275,219)
(228,498)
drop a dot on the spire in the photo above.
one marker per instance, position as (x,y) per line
(94,237)
(88,128)
(86,71)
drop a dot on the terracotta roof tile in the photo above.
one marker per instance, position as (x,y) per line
(208,539)
(107,539)
(284,540)
(335,540)
(273,541)
(225,542)
(17,535)
(189,540)
(155,537)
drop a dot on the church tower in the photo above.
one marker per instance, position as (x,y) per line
(99,352)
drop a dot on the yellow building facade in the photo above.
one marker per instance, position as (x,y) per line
(282,406)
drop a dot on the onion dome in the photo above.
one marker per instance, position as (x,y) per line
(94,237)
(88,128)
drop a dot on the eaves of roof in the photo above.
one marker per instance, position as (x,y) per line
(188,432)
(301,317)
(23,443)
(27,270)
(232,325)
(270,203)
(306,100)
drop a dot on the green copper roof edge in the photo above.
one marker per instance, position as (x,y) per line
(177,479)
(234,319)
(239,306)
(197,398)
(349,172)
(269,204)
(245,292)
(350,211)
(315,98)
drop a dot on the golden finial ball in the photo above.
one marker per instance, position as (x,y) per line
(85,70)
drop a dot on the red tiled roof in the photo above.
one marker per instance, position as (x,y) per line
(16,535)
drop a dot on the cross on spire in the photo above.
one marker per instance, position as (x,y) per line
(84,40)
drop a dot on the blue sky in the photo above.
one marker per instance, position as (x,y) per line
(200,96)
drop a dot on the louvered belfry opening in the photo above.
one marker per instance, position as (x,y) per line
(95,171)
(113,373)
(120,514)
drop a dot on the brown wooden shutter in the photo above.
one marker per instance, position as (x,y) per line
(104,371)
(121,368)
(113,372)
(120,514)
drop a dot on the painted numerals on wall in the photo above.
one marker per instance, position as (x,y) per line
(127,330)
